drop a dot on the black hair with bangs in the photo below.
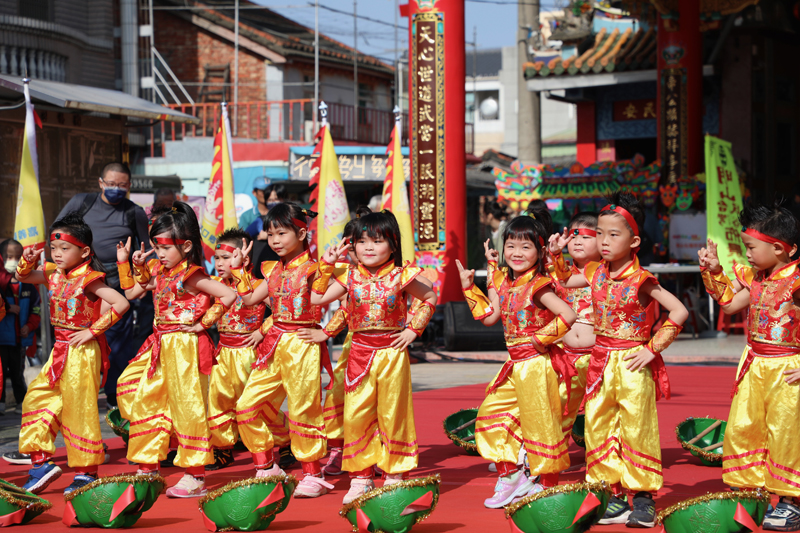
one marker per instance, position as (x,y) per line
(538,208)
(284,214)
(381,225)
(234,236)
(776,221)
(180,223)
(631,204)
(350,227)
(73,224)
(584,219)
(527,228)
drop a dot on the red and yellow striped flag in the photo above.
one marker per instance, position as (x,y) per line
(29,221)
(220,210)
(395,193)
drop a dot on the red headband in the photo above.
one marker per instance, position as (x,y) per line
(766,238)
(299,223)
(626,215)
(166,242)
(584,231)
(225,247)
(58,236)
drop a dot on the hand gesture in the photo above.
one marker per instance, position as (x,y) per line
(558,241)
(709,258)
(491,254)
(81,337)
(197,327)
(30,255)
(140,256)
(792,376)
(24,331)
(239,254)
(312,335)
(123,251)
(254,339)
(333,253)
(467,276)
(639,360)
(403,339)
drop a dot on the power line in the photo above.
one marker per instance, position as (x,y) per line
(349,14)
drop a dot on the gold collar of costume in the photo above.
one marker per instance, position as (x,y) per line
(627,272)
(79,270)
(384,269)
(297,261)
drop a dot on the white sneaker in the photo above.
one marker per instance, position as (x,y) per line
(358,487)
(391,479)
(274,470)
(312,487)
(188,487)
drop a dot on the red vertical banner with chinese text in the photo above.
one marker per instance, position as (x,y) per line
(723,202)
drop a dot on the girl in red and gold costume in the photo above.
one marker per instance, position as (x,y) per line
(763,432)
(170,394)
(626,373)
(522,405)
(571,356)
(378,411)
(64,395)
(286,365)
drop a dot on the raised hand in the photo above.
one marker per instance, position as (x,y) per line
(467,276)
(558,241)
(333,253)
(30,255)
(709,258)
(140,256)
(123,251)
(491,254)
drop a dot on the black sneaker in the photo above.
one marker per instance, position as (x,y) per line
(617,511)
(170,460)
(644,511)
(80,480)
(784,517)
(222,459)
(286,457)
(16,458)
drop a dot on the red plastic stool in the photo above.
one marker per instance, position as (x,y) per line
(724,322)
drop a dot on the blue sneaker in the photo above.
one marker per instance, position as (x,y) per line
(80,480)
(784,517)
(40,476)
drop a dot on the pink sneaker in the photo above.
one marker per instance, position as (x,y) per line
(312,487)
(508,488)
(188,487)
(391,479)
(274,470)
(358,487)
(334,465)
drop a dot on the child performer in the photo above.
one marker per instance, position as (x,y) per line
(575,349)
(626,372)
(64,394)
(170,394)
(522,402)
(378,409)
(760,447)
(286,366)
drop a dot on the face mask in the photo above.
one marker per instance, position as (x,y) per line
(11,265)
(270,205)
(115,195)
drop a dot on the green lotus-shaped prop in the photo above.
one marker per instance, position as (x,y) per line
(702,448)
(462,435)
(18,506)
(112,502)
(720,512)
(118,425)
(562,509)
(247,505)
(394,508)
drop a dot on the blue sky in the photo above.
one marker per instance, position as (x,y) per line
(496,22)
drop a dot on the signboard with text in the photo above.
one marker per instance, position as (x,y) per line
(723,202)
(673,125)
(353,167)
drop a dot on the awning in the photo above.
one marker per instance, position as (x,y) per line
(94,99)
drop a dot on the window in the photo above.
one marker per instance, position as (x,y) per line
(35,9)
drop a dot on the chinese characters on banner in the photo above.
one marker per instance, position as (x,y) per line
(723,202)
(673,124)
(352,167)
(625,110)
(427,132)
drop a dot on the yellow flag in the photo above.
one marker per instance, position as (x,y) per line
(220,210)
(328,198)
(29,222)
(395,194)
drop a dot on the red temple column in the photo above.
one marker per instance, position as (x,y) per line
(437,140)
(680,92)
(587,133)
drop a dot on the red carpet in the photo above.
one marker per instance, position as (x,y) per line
(697,391)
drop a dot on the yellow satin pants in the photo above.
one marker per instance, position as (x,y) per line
(762,438)
(225,386)
(524,410)
(380,417)
(333,410)
(128,384)
(173,401)
(576,394)
(622,441)
(71,406)
(293,372)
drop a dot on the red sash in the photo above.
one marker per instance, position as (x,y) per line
(205,348)
(267,348)
(363,348)
(564,363)
(764,350)
(61,350)
(597,366)
(523,352)
(231,340)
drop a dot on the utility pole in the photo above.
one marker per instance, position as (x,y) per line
(236,69)
(355,68)
(529,118)
(474,77)
(397,80)
(316,65)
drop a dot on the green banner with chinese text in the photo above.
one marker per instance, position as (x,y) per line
(723,203)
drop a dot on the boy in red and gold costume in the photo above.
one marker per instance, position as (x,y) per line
(626,373)
(522,405)
(763,433)
(64,395)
